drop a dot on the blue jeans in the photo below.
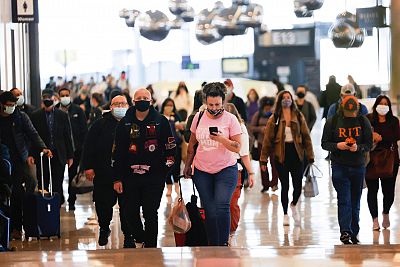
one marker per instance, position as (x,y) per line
(348,183)
(215,192)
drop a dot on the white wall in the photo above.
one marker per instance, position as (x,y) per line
(21,51)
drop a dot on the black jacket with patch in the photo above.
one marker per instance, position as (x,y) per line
(143,147)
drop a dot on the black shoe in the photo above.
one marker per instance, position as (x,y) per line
(129,241)
(265,189)
(71,206)
(103,236)
(355,240)
(345,238)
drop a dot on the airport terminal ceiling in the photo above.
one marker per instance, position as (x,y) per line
(88,38)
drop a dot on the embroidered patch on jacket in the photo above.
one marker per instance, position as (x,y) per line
(151,145)
(170,146)
(133,148)
(151,131)
(170,161)
(135,131)
(140,169)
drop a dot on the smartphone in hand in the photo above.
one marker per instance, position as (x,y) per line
(213,130)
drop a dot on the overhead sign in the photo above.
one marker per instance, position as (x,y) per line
(25,11)
(285,38)
(372,17)
(187,64)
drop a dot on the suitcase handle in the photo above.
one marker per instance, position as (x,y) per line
(51,176)
(180,187)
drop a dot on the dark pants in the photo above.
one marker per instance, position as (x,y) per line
(294,166)
(176,170)
(57,171)
(72,171)
(17,194)
(146,192)
(388,190)
(105,198)
(348,183)
(215,192)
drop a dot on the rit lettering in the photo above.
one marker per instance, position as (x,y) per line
(349,132)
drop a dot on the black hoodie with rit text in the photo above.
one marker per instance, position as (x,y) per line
(345,129)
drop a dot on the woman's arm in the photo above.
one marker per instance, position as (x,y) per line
(268,142)
(232,144)
(247,164)
(191,152)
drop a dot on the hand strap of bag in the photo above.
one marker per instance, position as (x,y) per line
(180,188)
(310,168)
(197,125)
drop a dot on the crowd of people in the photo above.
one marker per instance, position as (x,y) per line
(132,148)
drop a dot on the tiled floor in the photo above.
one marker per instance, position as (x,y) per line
(261,240)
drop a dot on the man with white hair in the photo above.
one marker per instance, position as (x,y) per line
(144,150)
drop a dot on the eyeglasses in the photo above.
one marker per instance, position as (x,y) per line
(119,104)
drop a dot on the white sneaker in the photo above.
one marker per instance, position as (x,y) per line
(285,220)
(295,214)
(375,224)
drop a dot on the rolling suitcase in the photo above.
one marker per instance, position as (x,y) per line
(42,211)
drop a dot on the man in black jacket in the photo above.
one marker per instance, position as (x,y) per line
(330,96)
(144,152)
(234,99)
(77,121)
(97,164)
(53,127)
(28,109)
(21,138)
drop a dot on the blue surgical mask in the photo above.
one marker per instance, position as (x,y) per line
(65,100)
(268,114)
(119,113)
(286,103)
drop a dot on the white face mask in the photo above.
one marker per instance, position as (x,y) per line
(119,113)
(21,100)
(65,100)
(382,109)
(9,109)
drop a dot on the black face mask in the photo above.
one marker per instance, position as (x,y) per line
(48,102)
(142,105)
(301,95)
(215,113)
